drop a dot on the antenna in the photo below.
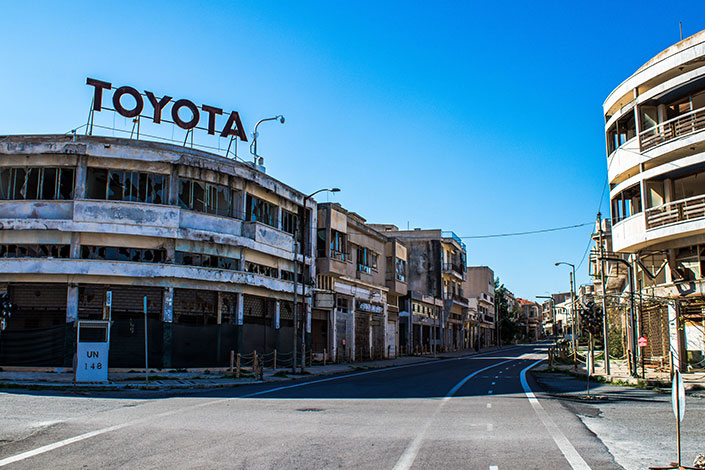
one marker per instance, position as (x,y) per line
(680,26)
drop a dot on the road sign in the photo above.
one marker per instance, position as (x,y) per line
(109,298)
(678,396)
(643,342)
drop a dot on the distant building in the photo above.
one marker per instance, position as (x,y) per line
(436,302)
(529,319)
(481,319)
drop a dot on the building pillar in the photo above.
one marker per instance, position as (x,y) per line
(79,191)
(333,333)
(72,303)
(385,326)
(350,333)
(307,313)
(277,323)
(239,320)
(675,333)
(174,186)
(167,321)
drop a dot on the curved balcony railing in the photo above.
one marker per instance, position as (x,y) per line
(674,212)
(680,126)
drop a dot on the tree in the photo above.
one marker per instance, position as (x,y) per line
(506,319)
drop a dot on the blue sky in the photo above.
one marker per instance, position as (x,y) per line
(479,118)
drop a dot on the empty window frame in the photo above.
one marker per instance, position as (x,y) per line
(35,251)
(338,245)
(206,197)
(259,210)
(119,185)
(290,222)
(626,203)
(261,269)
(36,184)
(400,270)
(366,260)
(289,275)
(206,261)
(135,255)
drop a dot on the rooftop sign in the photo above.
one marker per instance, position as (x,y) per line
(232,127)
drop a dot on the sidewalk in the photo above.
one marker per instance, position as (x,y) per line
(619,374)
(62,378)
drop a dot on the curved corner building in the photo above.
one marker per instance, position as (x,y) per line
(207,240)
(655,129)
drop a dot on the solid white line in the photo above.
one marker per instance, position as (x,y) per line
(566,448)
(88,435)
(409,455)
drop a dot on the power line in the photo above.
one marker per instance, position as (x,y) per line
(531,232)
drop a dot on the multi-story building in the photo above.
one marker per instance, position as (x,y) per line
(529,319)
(654,125)
(437,262)
(361,275)
(548,313)
(91,226)
(480,322)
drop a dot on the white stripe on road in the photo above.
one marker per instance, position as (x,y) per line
(494,467)
(88,435)
(489,405)
(409,455)
(569,452)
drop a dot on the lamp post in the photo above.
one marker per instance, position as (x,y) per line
(301,228)
(574,313)
(253,145)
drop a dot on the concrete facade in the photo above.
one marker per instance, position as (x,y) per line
(481,319)
(654,126)
(207,240)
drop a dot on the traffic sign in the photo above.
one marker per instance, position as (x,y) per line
(678,396)
(643,342)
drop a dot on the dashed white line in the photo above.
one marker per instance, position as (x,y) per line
(494,467)
(489,405)
(490,427)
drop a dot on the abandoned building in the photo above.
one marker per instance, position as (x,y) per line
(436,306)
(91,225)
(655,132)
(361,277)
(480,324)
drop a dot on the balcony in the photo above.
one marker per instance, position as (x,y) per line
(454,268)
(460,298)
(680,126)
(674,212)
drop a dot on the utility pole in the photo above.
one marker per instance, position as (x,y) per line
(575,323)
(605,329)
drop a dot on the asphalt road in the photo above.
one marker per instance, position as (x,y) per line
(469,412)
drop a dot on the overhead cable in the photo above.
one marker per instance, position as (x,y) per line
(530,232)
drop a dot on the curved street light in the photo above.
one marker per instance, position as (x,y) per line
(574,313)
(253,145)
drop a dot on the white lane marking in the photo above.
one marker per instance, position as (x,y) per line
(501,371)
(489,405)
(490,427)
(494,467)
(409,455)
(566,448)
(88,435)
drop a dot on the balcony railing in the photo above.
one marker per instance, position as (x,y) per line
(688,123)
(454,267)
(676,211)
(460,298)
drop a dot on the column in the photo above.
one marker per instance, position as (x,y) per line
(350,333)
(72,303)
(239,319)
(167,321)
(71,318)
(385,318)
(277,323)
(332,334)
(80,182)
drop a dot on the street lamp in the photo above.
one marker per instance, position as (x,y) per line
(301,228)
(253,145)
(574,315)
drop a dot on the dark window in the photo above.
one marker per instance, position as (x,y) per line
(144,255)
(96,183)
(35,251)
(116,189)
(36,183)
(260,211)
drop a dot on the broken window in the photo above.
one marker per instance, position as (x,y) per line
(260,210)
(366,260)
(31,184)
(260,269)
(400,269)
(35,251)
(290,222)
(321,245)
(338,245)
(206,261)
(205,197)
(118,185)
(138,255)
